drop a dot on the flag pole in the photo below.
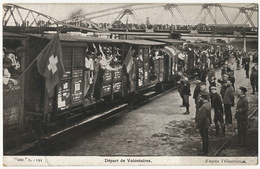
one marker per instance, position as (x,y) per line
(29,66)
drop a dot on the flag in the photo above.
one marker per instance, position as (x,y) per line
(95,49)
(130,68)
(129,60)
(101,50)
(50,63)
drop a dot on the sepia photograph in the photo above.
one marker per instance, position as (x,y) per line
(133,83)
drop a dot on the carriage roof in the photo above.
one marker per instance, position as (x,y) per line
(77,38)
(174,41)
(143,42)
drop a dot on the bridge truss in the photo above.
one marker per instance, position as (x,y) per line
(18,18)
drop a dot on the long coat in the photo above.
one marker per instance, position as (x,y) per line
(229,96)
(242,108)
(196,91)
(204,116)
(216,102)
(253,77)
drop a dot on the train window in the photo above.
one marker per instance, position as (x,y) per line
(67,55)
(78,58)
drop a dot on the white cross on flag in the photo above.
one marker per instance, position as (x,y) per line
(50,63)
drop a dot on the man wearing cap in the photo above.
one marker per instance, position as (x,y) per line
(228,101)
(197,102)
(186,95)
(241,115)
(216,104)
(204,121)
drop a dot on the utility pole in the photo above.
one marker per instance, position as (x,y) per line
(244,37)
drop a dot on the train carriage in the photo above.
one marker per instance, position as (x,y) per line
(184,57)
(149,66)
(134,69)
(28,104)
(27,100)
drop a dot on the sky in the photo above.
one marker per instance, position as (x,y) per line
(156,14)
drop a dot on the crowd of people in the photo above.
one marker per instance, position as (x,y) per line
(12,66)
(97,60)
(221,102)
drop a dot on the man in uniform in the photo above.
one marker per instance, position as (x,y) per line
(241,115)
(203,89)
(216,104)
(204,121)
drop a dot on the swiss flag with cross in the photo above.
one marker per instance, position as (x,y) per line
(50,63)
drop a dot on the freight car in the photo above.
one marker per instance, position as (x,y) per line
(136,67)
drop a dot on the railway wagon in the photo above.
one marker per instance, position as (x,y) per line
(29,112)
(190,57)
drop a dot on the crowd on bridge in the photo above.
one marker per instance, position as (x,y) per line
(221,99)
(119,25)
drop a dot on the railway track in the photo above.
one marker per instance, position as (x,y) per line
(224,145)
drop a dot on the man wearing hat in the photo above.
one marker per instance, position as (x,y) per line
(216,104)
(241,115)
(204,121)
